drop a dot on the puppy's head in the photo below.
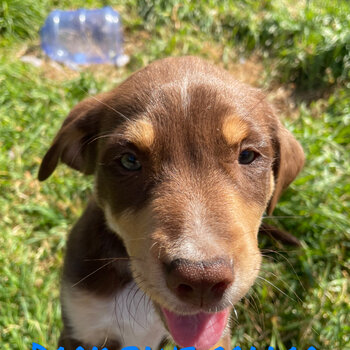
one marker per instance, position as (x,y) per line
(186,161)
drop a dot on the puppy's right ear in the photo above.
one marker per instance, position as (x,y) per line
(289,160)
(73,144)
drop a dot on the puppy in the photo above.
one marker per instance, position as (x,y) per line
(186,160)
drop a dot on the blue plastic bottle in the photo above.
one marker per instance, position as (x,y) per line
(84,37)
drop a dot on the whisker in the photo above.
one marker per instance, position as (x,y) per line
(284,217)
(235,312)
(285,283)
(267,250)
(137,289)
(289,263)
(89,141)
(103,259)
(269,257)
(132,317)
(92,140)
(92,273)
(98,100)
(138,304)
(255,306)
(117,318)
(281,291)
(128,303)
(111,108)
(255,297)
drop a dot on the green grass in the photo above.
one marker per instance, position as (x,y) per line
(311,304)
(309,40)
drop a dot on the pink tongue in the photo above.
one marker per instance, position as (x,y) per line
(201,330)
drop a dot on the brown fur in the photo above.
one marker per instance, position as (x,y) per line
(187,122)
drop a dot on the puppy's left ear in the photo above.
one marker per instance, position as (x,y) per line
(73,144)
(289,160)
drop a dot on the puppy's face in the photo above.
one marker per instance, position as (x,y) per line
(186,160)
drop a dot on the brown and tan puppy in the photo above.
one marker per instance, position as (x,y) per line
(186,161)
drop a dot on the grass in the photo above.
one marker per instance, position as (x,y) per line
(308,303)
(310,42)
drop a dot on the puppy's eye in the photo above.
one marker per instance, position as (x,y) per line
(247,156)
(130,162)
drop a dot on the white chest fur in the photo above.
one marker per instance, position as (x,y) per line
(128,317)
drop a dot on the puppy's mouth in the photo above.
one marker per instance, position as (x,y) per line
(201,330)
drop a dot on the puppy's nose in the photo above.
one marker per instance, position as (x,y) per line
(199,283)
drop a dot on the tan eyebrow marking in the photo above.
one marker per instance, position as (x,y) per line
(234,129)
(141,133)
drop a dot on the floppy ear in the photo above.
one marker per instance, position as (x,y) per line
(72,144)
(289,160)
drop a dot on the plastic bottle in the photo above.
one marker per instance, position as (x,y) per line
(84,37)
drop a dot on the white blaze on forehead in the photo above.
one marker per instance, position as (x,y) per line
(185,97)
(175,89)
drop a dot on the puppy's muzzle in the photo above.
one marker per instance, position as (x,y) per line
(200,283)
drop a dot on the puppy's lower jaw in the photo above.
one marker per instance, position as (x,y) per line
(201,330)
